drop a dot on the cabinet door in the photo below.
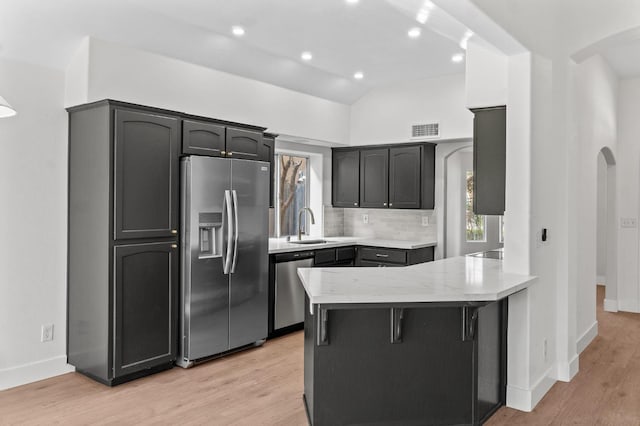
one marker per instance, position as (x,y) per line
(244,144)
(489,160)
(146,295)
(146,175)
(268,154)
(404,177)
(202,138)
(374,177)
(345,187)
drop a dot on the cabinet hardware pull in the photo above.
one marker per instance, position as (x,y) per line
(381,255)
(355,204)
(223,152)
(174,231)
(229,153)
(390,204)
(174,246)
(384,204)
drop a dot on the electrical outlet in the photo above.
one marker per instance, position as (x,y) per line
(628,222)
(46,333)
(425,220)
(545,354)
(365,218)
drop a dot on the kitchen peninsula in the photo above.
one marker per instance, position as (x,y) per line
(421,344)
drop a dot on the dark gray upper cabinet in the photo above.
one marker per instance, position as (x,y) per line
(374,177)
(489,160)
(345,182)
(145,306)
(244,144)
(398,176)
(146,175)
(203,138)
(405,177)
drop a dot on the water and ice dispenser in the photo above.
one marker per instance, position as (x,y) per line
(210,235)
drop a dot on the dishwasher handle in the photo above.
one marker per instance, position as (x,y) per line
(293,256)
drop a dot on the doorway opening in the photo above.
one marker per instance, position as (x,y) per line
(606,229)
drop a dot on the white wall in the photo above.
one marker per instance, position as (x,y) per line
(33,189)
(132,75)
(628,183)
(601,220)
(385,115)
(486,85)
(595,91)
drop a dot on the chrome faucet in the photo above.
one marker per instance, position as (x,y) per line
(313,221)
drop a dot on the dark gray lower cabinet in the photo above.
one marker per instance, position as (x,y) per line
(381,256)
(146,302)
(404,364)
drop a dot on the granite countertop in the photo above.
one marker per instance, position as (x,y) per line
(280,245)
(447,280)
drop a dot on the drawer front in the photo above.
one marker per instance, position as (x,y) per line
(345,253)
(383,255)
(325,256)
(367,263)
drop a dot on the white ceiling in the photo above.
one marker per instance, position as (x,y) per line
(623,58)
(370,36)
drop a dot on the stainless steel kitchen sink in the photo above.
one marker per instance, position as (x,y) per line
(307,241)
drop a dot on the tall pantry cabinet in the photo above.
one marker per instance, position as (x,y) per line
(123,239)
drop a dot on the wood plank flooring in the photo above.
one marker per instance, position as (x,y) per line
(263,386)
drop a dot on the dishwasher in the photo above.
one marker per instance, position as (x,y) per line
(288,312)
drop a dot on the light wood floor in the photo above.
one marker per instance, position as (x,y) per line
(263,386)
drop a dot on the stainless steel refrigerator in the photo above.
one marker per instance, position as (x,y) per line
(224,257)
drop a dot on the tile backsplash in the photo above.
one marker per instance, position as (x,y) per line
(388,224)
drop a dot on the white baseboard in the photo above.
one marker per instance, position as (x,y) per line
(33,372)
(628,305)
(566,371)
(610,305)
(526,399)
(587,337)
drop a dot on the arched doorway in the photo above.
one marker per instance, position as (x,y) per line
(606,229)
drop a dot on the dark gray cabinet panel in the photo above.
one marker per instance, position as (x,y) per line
(374,177)
(145,306)
(489,160)
(428,178)
(146,175)
(202,138)
(244,144)
(345,183)
(268,154)
(405,177)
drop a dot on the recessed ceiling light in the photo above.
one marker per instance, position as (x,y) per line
(458,57)
(414,32)
(237,30)
(358,75)
(306,56)
(352,1)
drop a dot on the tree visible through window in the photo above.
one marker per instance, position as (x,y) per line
(292,181)
(475,224)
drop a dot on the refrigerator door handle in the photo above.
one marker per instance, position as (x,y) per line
(235,231)
(226,258)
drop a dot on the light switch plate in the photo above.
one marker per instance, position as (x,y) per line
(365,218)
(425,220)
(628,222)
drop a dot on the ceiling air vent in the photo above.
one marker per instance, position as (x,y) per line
(425,131)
